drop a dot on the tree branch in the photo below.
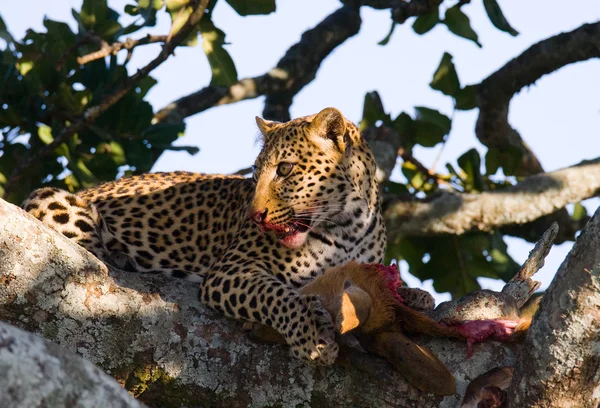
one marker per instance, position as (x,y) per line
(453,213)
(295,70)
(113,49)
(153,335)
(560,360)
(93,112)
(495,92)
(37,373)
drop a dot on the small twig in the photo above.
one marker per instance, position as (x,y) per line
(243,172)
(521,286)
(87,38)
(421,168)
(540,251)
(92,113)
(113,49)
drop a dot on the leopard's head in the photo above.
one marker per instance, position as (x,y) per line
(313,172)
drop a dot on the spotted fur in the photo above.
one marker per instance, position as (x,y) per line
(253,242)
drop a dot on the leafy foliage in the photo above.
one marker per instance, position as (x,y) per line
(45,90)
(455,262)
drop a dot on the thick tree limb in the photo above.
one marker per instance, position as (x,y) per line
(38,373)
(495,92)
(295,70)
(559,365)
(157,340)
(92,113)
(453,213)
(385,142)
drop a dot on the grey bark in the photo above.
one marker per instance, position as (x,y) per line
(559,365)
(37,372)
(165,348)
(454,213)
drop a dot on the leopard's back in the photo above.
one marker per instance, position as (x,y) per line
(179,222)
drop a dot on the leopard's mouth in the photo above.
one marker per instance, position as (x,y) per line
(292,234)
(292,228)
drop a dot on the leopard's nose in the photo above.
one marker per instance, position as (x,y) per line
(259,216)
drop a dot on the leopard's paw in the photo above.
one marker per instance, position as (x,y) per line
(313,337)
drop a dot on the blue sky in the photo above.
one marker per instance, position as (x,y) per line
(559,116)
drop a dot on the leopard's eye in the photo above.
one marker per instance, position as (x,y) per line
(284,169)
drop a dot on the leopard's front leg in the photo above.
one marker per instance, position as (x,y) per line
(248,292)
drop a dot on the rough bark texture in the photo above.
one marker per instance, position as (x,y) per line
(559,365)
(37,372)
(157,340)
(386,145)
(453,213)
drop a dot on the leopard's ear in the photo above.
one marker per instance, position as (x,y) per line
(329,124)
(266,126)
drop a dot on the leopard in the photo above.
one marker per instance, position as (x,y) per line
(250,243)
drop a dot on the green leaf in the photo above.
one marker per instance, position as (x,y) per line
(132,10)
(455,262)
(116,152)
(403,124)
(466,98)
(497,18)
(92,11)
(426,22)
(97,16)
(458,23)
(579,212)
(163,133)
(445,78)
(470,163)
(252,7)
(430,126)
(501,262)
(139,156)
(509,158)
(179,10)
(388,36)
(372,110)
(144,86)
(147,10)
(45,134)
(395,188)
(221,64)
(84,174)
